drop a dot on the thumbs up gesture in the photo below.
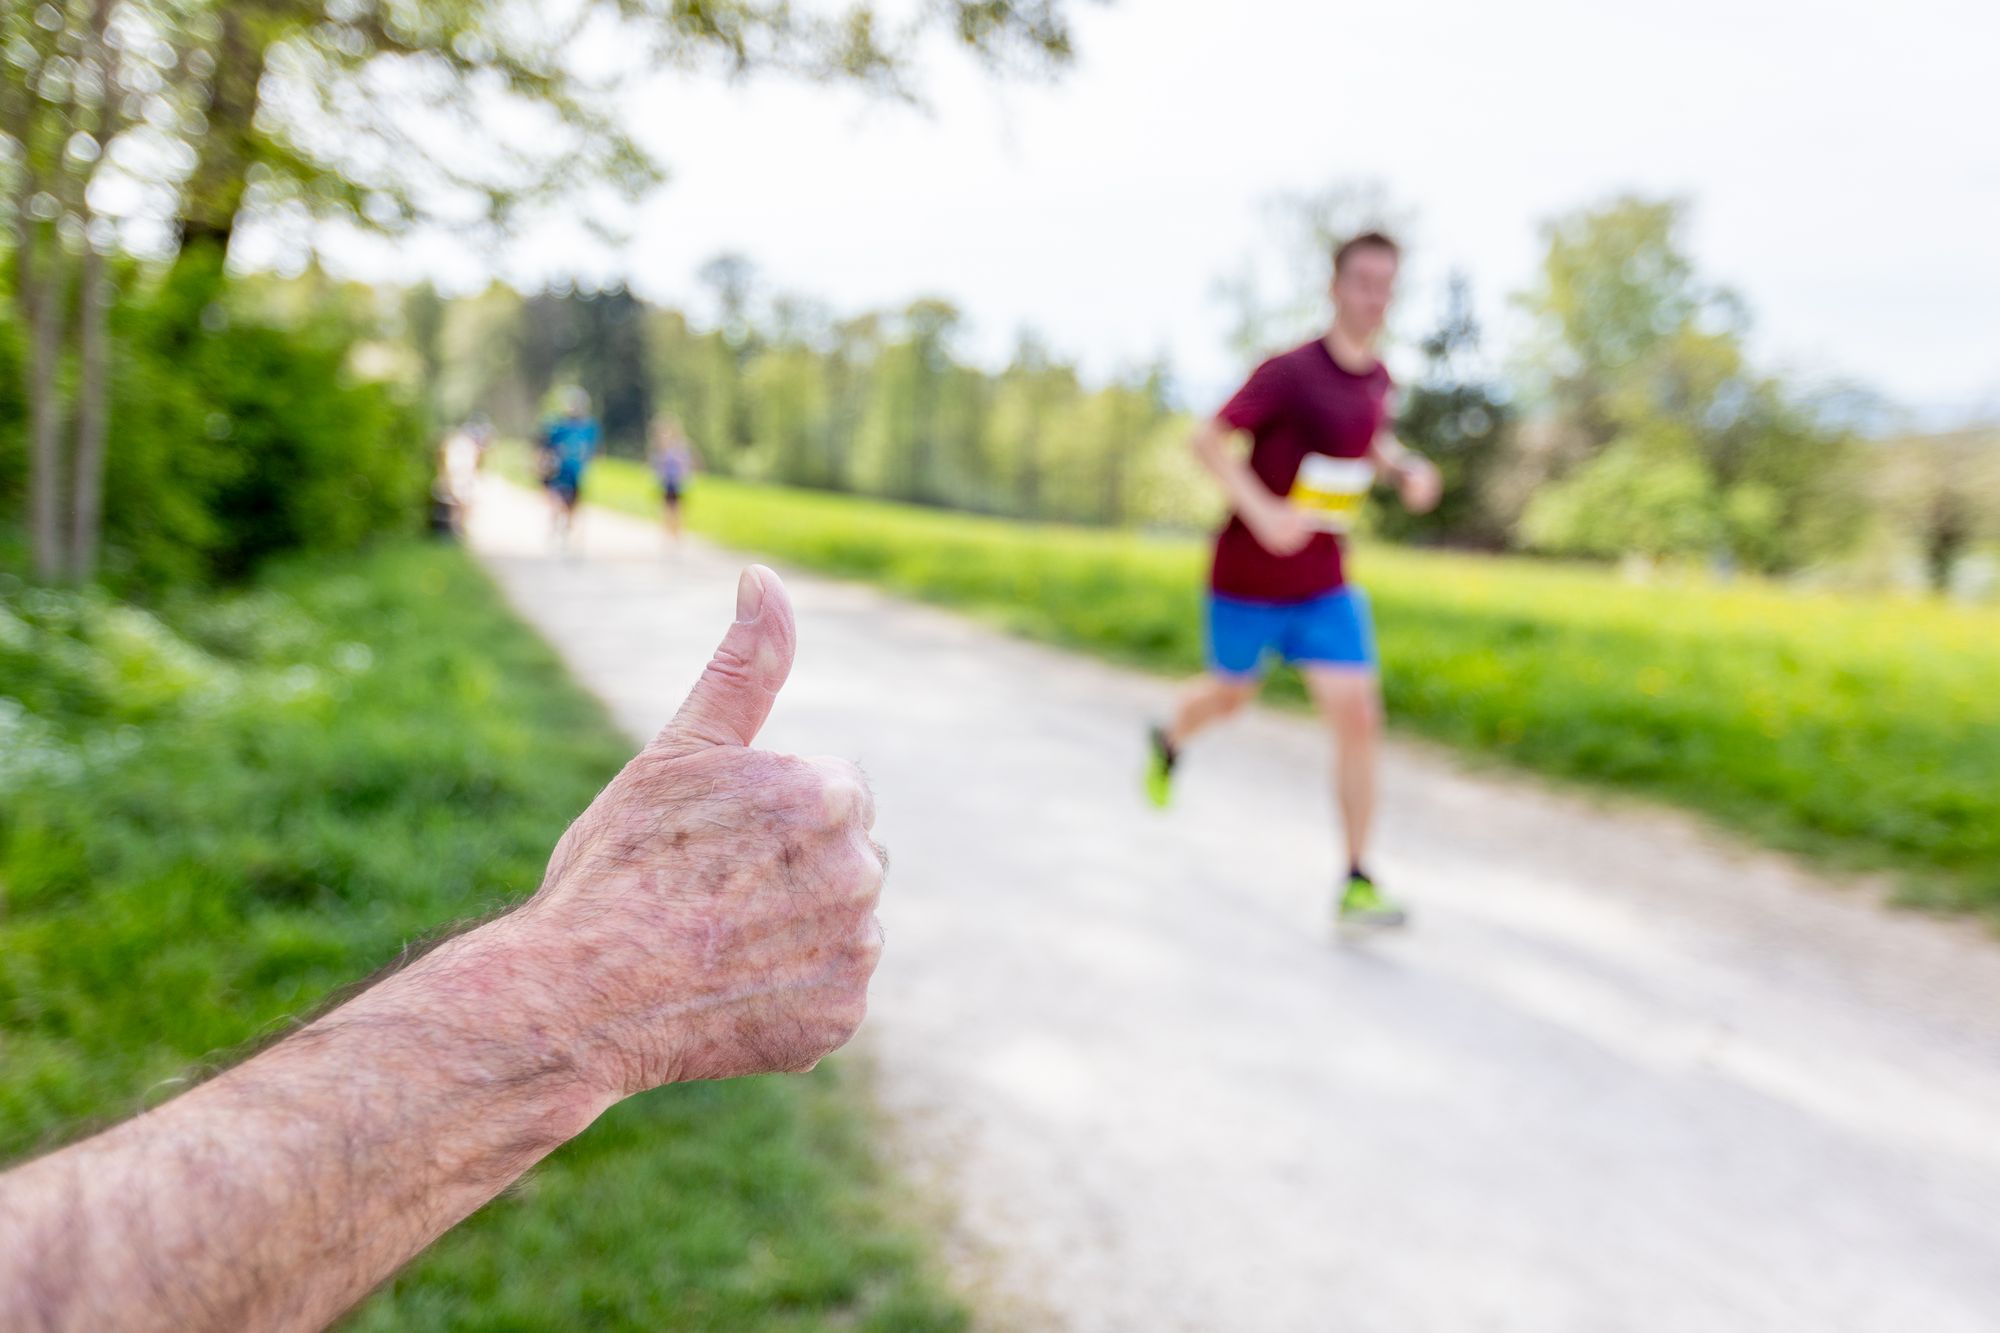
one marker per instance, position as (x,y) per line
(712,914)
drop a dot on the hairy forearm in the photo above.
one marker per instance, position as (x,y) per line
(279,1193)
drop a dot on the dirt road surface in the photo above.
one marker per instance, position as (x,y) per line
(1620,1075)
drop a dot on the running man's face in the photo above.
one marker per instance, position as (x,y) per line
(1363,289)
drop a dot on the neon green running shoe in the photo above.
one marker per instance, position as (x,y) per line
(1362,904)
(1160,769)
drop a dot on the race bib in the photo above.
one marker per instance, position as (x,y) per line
(1331,490)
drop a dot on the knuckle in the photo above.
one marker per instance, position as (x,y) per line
(843,791)
(868,885)
(863,871)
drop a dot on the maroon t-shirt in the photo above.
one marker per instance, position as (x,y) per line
(1297,403)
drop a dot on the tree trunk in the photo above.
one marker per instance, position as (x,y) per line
(1113,500)
(1947,536)
(214,191)
(24,314)
(1028,481)
(45,329)
(92,390)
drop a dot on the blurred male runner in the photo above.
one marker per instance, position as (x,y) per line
(1278,587)
(567,444)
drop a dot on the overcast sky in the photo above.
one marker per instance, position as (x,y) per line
(1842,159)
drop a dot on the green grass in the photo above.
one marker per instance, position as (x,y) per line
(213,815)
(1861,730)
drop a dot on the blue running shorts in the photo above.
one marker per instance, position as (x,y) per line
(1330,630)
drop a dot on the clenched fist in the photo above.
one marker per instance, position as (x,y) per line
(712,913)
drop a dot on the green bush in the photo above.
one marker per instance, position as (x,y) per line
(233,437)
(1648,493)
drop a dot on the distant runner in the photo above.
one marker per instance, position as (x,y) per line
(1316,420)
(673,463)
(567,444)
(458,475)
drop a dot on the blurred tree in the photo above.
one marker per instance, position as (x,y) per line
(1461,419)
(907,432)
(467,112)
(1941,494)
(480,350)
(423,329)
(73,80)
(786,390)
(1032,393)
(1629,343)
(1646,494)
(732,283)
(929,325)
(546,347)
(611,362)
(597,340)
(854,349)
(688,369)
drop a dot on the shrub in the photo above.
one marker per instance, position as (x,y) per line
(233,438)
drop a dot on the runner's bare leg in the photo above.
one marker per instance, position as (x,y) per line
(1350,700)
(1206,700)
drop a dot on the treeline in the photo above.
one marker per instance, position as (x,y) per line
(883,404)
(1654,435)
(1629,423)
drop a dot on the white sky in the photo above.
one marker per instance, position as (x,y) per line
(1103,209)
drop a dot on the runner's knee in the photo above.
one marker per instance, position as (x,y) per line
(1231,695)
(1359,715)
(1353,711)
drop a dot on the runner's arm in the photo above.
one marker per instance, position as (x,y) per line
(1274,521)
(1417,479)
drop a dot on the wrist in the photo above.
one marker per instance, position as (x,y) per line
(1268,508)
(492,1009)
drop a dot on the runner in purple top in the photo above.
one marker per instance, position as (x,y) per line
(1317,421)
(672,458)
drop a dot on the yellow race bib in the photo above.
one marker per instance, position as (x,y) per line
(1331,490)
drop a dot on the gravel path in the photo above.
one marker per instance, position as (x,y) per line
(1619,1075)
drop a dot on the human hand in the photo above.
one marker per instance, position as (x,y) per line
(712,913)
(1419,484)
(1280,527)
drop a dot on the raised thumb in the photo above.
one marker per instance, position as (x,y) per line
(729,703)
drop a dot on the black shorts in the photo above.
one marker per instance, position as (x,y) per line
(671,492)
(564,489)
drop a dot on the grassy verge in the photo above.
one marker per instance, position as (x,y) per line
(212,815)
(1861,730)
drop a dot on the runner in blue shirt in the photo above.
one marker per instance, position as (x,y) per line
(566,446)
